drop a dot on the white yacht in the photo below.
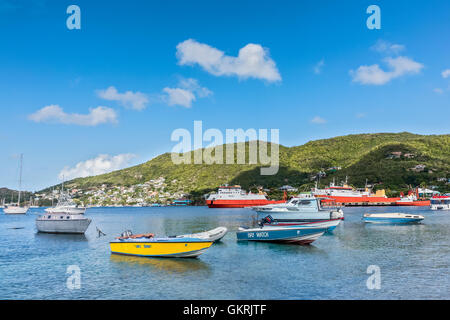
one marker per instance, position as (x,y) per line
(65,217)
(440,202)
(16,208)
(304,207)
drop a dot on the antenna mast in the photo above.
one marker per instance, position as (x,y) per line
(20,179)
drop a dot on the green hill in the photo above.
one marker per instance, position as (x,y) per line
(375,157)
(12,195)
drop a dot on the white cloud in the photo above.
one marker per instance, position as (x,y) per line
(360,115)
(253,61)
(103,163)
(133,100)
(178,96)
(55,114)
(193,86)
(387,47)
(446,73)
(186,92)
(318,120)
(438,90)
(374,75)
(318,67)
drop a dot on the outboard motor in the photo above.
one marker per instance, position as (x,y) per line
(126,234)
(337,214)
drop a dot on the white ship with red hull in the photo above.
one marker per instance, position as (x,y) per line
(235,197)
(345,194)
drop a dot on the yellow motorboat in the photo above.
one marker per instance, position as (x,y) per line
(146,245)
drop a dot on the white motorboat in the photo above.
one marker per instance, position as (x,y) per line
(440,202)
(304,207)
(392,218)
(16,208)
(62,223)
(65,217)
(212,235)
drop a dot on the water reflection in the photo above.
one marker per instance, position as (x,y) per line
(60,237)
(171,265)
(281,247)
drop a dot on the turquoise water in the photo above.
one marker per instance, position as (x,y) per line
(414,260)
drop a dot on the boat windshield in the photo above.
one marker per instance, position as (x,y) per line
(304,204)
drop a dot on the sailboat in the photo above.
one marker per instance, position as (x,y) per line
(16,208)
(33,203)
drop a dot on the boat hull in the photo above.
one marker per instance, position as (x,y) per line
(15,210)
(417,203)
(294,235)
(72,226)
(329,225)
(440,207)
(166,249)
(392,218)
(342,200)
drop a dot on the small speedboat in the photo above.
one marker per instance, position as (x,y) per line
(212,235)
(283,234)
(146,245)
(392,218)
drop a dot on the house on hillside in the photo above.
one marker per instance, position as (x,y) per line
(288,188)
(418,168)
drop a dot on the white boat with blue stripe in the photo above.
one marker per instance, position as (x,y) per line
(284,234)
(392,218)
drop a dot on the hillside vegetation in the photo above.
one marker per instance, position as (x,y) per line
(374,157)
(9,196)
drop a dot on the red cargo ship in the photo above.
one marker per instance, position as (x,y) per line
(347,195)
(235,197)
(412,200)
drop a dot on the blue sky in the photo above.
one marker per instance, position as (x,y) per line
(321,73)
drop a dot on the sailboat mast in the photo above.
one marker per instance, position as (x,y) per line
(20,179)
